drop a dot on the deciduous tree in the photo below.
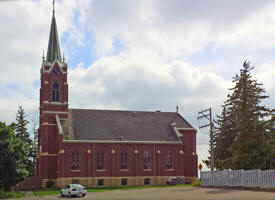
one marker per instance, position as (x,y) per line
(7,159)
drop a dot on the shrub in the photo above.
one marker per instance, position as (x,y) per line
(196,183)
(50,184)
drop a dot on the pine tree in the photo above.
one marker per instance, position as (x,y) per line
(34,146)
(24,162)
(224,136)
(269,147)
(244,105)
(21,125)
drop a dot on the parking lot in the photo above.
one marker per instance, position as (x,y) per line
(172,193)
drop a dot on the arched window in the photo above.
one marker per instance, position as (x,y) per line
(75,160)
(169,161)
(99,160)
(147,162)
(123,160)
(55,92)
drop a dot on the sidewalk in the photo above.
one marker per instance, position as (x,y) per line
(28,194)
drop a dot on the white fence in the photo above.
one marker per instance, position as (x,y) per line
(246,178)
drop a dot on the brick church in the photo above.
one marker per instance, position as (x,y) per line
(106,147)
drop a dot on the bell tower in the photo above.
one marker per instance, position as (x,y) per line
(53,105)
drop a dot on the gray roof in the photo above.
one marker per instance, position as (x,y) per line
(113,125)
(53,45)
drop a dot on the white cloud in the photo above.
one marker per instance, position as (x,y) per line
(10,104)
(175,29)
(256,31)
(137,82)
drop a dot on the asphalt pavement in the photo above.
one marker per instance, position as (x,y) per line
(171,193)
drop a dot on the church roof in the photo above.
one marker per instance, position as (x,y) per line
(106,125)
(53,45)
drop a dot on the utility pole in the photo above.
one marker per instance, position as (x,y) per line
(207,113)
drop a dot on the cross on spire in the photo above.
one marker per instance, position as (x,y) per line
(53,8)
(43,57)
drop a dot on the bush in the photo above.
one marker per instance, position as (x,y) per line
(50,184)
(196,183)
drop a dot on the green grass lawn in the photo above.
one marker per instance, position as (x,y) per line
(9,195)
(133,187)
(103,189)
(46,192)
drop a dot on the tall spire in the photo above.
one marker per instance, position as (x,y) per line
(53,51)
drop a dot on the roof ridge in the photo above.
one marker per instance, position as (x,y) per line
(184,120)
(141,111)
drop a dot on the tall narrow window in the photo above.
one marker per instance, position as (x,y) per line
(147,160)
(100,160)
(55,92)
(169,160)
(123,160)
(75,160)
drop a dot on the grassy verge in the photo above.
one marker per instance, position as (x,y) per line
(196,183)
(46,192)
(133,188)
(103,189)
(10,195)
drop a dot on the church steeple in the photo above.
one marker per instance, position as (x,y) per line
(53,46)
(53,106)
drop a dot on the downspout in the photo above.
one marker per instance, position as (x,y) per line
(154,160)
(93,160)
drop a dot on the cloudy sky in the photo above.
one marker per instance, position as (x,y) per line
(138,55)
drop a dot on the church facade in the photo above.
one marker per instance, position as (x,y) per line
(106,147)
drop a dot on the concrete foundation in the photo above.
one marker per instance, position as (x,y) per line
(91,182)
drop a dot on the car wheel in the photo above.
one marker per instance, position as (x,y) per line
(83,195)
(69,194)
(61,193)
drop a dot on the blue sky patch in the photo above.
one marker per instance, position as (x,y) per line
(118,45)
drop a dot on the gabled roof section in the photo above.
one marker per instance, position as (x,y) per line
(111,125)
(53,51)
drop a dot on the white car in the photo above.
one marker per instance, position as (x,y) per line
(73,190)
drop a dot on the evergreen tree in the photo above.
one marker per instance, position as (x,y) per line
(24,162)
(21,126)
(34,146)
(224,136)
(269,147)
(244,106)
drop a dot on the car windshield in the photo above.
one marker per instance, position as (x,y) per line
(77,185)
